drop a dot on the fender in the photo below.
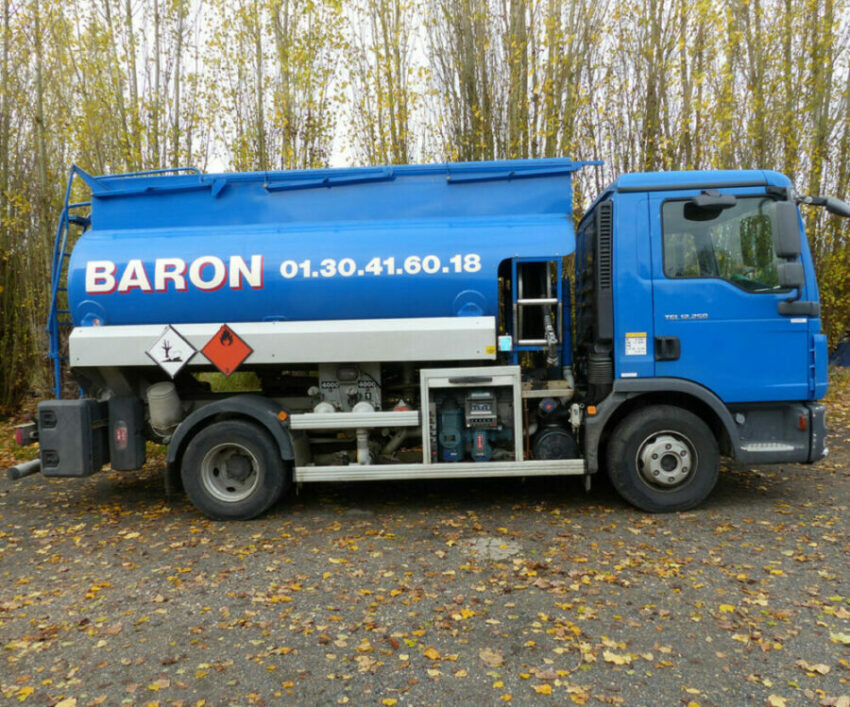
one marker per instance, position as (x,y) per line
(624,390)
(262,410)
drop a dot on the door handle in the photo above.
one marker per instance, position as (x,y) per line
(667,348)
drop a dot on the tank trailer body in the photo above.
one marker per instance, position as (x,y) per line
(433,321)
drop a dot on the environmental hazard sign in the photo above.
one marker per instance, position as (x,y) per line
(226,351)
(171,351)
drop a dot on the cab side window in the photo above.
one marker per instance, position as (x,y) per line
(734,244)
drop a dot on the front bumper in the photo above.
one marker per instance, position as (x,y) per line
(817,440)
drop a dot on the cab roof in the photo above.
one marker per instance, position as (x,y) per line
(698,179)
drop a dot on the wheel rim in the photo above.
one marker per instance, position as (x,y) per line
(230,472)
(666,460)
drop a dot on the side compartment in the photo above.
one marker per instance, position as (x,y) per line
(472,422)
(72,436)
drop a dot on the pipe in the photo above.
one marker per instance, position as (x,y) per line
(394,443)
(364,455)
(19,471)
(551,341)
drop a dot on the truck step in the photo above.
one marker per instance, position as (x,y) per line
(459,470)
(764,447)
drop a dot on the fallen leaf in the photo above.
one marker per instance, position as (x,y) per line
(813,667)
(545,689)
(491,657)
(776,701)
(843,701)
(463,614)
(616,658)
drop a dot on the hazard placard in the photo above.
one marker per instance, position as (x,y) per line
(171,351)
(226,351)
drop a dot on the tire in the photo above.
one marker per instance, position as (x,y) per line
(232,470)
(663,459)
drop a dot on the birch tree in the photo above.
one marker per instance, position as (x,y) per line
(383,80)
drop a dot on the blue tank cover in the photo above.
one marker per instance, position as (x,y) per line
(356,243)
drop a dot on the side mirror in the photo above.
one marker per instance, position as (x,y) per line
(787,238)
(791,275)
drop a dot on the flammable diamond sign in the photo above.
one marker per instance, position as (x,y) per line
(171,351)
(226,351)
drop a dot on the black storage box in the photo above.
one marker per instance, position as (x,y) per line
(72,435)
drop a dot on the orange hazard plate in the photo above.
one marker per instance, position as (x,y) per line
(226,351)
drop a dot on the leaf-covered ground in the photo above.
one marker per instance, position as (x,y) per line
(430,593)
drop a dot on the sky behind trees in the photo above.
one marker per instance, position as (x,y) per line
(120,85)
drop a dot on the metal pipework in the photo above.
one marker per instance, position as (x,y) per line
(364,456)
(551,341)
(19,471)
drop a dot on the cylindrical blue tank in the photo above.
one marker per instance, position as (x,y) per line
(361,243)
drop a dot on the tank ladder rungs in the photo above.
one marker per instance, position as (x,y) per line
(546,299)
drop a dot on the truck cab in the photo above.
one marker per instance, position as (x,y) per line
(699,295)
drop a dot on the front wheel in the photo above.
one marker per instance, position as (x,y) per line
(663,459)
(232,470)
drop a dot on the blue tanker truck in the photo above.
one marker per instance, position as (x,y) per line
(421,322)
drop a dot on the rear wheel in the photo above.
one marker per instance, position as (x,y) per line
(232,470)
(662,459)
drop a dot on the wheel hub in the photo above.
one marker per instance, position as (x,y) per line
(666,459)
(229,472)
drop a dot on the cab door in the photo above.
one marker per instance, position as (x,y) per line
(715,297)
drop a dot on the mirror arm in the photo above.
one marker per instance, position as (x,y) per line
(833,205)
(798,292)
(811,200)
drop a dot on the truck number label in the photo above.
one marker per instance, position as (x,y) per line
(411,265)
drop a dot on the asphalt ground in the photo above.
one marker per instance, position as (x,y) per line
(430,593)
